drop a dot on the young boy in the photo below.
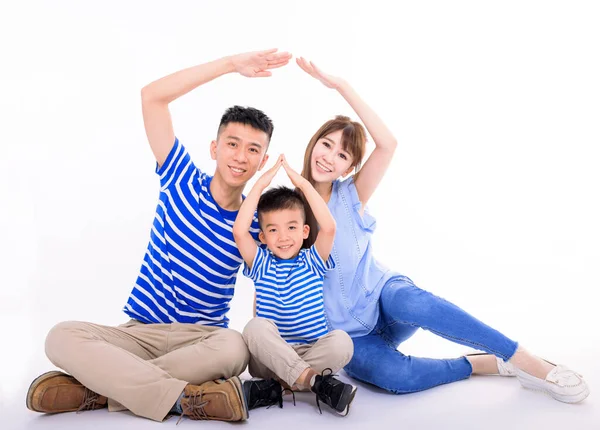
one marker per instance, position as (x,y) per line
(289,338)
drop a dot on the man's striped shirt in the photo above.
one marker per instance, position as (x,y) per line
(191,262)
(290,293)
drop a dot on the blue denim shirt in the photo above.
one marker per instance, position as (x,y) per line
(351,291)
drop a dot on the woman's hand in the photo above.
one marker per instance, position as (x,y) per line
(309,67)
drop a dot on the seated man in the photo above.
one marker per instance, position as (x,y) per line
(176,354)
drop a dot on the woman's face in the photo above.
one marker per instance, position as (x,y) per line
(329,161)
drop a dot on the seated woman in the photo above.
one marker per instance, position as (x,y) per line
(379,308)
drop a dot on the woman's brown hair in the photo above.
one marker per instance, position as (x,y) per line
(354,138)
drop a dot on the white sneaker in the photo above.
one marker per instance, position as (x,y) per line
(504,367)
(562,383)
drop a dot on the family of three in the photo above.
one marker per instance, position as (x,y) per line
(322,303)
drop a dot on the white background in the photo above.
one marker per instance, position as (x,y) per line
(491,201)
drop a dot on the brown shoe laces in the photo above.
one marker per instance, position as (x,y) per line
(195,407)
(89,400)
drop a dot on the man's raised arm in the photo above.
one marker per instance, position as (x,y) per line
(157,95)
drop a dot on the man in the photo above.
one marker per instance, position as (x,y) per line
(176,354)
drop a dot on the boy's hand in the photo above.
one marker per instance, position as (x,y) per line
(297,179)
(309,67)
(256,64)
(268,176)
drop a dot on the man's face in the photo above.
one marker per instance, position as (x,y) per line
(283,231)
(240,151)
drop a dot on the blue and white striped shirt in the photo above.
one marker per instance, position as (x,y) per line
(290,293)
(191,263)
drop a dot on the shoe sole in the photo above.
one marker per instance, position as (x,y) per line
(36,382)
(240,391)
(347,398)
(575,398)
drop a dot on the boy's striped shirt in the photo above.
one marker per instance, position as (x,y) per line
(290,293)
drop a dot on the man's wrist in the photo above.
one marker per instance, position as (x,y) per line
(228,64)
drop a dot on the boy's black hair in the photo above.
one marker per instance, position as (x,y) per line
(280,198)
(249,116)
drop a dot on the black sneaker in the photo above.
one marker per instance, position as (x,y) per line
(334,392)
(263,392)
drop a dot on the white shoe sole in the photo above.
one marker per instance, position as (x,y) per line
(541,387)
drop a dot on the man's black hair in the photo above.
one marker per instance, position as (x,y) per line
(280,198)
(249,116)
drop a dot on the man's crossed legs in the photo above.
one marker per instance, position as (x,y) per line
(145,368)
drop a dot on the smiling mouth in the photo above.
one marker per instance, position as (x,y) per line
(237,169)
(285,247)
(327,169)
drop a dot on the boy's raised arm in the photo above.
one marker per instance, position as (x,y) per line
(327,226)
(241,228)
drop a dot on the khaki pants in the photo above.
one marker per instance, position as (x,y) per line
(145,367)
(272,357)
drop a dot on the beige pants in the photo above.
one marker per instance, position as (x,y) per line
(144,367)
(271,356)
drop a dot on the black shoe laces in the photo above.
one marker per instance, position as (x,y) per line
(324,388)
(269,393)
(292,392)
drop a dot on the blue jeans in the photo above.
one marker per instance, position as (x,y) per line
(403,309)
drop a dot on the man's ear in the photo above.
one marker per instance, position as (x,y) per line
(261,237)
(213,149)
(263,162)
(305,231)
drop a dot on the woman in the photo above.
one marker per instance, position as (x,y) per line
(379,308)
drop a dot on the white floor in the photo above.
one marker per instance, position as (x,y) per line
(485,402)
(482,402)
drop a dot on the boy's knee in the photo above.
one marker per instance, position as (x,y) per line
(256,327)
(342,345)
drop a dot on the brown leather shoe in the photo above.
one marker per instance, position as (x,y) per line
(55,392)
(221,400)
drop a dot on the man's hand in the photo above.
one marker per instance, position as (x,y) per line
(309,67)
(266,178)
(257,64)
(297,179)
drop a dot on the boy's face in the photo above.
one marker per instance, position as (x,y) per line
(240,151)
(283,231)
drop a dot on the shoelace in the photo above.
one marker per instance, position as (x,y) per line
(263,396)
(326,390)
(283,390)
(561,375)
(89,400)
(195,408)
